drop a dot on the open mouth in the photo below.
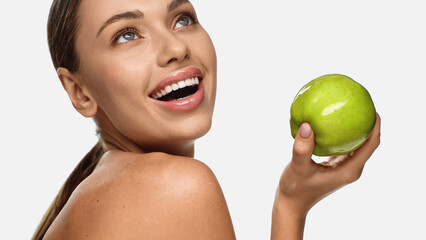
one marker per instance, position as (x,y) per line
(179,90)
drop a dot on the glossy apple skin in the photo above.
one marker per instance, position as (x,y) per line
(339,110)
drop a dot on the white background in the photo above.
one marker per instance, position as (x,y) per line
(266,51)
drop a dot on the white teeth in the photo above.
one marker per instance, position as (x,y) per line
(175,86)
(168,89)
(181,84)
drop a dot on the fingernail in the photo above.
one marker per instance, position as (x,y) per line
(305,130)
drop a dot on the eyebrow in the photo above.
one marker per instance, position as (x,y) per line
(175,4)
(137,14)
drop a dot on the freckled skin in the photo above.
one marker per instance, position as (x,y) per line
(340,111)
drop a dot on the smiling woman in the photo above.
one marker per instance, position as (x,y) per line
(133,70)
(145,71)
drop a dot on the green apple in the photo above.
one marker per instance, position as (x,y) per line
(339,110)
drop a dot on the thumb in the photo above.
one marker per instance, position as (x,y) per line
(304,144)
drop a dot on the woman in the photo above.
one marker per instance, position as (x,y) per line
(145,71)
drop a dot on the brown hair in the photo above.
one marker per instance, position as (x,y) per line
(62,28)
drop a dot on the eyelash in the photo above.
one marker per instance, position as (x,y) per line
(188,14)
(126,30)
(135,31)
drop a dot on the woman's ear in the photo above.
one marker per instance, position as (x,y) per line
(79,95)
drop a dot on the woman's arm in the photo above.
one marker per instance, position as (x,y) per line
(304,182)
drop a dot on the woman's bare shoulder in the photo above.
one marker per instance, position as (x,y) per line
(147,196)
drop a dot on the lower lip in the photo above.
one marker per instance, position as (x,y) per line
(185,104)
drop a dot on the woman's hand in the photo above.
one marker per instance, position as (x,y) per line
(305,182)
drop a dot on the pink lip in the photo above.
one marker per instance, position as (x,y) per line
(176,77)
(187,103)
(184,104)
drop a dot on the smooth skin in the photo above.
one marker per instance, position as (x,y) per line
(147,185)
(146,196)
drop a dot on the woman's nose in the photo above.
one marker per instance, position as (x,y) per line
(172,48)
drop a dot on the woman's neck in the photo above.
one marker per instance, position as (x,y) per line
(114,140)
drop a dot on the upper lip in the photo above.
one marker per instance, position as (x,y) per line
(176,77)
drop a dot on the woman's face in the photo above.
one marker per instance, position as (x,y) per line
(135,54)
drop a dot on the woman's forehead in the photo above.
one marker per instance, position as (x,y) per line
(98,13)
(108,7)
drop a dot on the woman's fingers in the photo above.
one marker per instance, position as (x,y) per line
(366,150)
(305,182)
(351,168)
(303,145)
(348,168)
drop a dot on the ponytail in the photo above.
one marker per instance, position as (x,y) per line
(82,171)
(62,27)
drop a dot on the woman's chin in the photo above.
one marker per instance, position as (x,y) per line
(178,135)
(194,132)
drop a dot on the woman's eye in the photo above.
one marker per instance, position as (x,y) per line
(126,36)
(184,21)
